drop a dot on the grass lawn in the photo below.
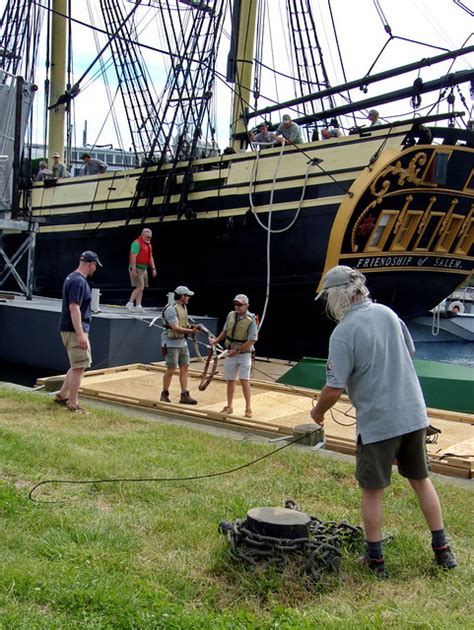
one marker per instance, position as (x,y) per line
(149,555)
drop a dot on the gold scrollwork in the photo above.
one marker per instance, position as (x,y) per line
(405,174)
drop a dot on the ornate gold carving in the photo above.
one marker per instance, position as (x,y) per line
(426,214)
(402,213)
(467,222)
(371,206)
(405,174)
(447,218)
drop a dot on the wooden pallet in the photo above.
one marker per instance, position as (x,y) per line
(277,409)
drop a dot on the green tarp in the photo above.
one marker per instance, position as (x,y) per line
(445,385)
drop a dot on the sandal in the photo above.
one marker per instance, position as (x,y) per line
(248,414)
(77,409)
(59,400)
(227,410)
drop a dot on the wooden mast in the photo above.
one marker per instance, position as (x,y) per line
(56,120)
(241,67)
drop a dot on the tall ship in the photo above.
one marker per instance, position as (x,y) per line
(391,196)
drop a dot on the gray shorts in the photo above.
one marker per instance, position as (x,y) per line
(177,356)
(374,461)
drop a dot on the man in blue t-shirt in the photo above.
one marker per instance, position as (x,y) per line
(370,356)
(74,328)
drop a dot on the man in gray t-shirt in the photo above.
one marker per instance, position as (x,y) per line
(288,131)
(370,356)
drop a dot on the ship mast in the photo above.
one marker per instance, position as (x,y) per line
(56,119)
(240,67)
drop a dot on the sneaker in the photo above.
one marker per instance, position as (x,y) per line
(130,306)
(165,396)
(376,565)
(186,399)
(139,308)
(445,557)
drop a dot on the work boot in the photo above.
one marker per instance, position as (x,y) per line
(445,557)
(186,399)
(165,396)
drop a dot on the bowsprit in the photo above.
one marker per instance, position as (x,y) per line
(278,535)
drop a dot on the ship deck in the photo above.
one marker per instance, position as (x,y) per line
(277,410)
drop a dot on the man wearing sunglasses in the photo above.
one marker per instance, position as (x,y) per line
(240,332)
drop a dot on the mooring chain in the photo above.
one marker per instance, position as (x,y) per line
(322,548)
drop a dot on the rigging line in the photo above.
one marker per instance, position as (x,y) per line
(339,52)
(165,479)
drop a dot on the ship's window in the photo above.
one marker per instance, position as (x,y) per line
(466,243)
(429,232)
(381,231)
(447,238)
(406,231)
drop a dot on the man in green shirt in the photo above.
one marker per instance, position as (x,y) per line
(141,257)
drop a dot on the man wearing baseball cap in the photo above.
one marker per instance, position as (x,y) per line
(58,169)
(74,326)
(370,356)
(175,346)
(288,132)
(240,332)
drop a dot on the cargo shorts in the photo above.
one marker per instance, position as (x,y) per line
(177,356)
(374,461)
(78,357)
(140,280)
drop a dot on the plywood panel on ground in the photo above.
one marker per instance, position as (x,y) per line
(277,409)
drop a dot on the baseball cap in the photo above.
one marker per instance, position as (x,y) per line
(338,277)
(89,256)
(241,297)
(373,112)
(56,155)
(286,118)
(182,290)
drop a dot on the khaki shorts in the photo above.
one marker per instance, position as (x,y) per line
(140,281)
(78,357)
(374,461)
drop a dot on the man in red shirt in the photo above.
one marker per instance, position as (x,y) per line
(141,257)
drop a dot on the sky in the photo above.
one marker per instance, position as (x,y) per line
(361,36)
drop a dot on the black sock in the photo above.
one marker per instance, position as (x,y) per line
(374,549)
(438,538)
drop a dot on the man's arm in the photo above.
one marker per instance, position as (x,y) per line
(329,397)
(76,319)
(133,263)
(152,265)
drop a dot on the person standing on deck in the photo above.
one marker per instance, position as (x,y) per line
(240,333)
(74,328)
(175,346)
(92,166)
(141,257)
(370,355)
(288,132)
(58,168)
(374,118)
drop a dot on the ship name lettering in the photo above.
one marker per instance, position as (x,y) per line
(384,261)
(447,262)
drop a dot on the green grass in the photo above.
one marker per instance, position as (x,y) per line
(149,555)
